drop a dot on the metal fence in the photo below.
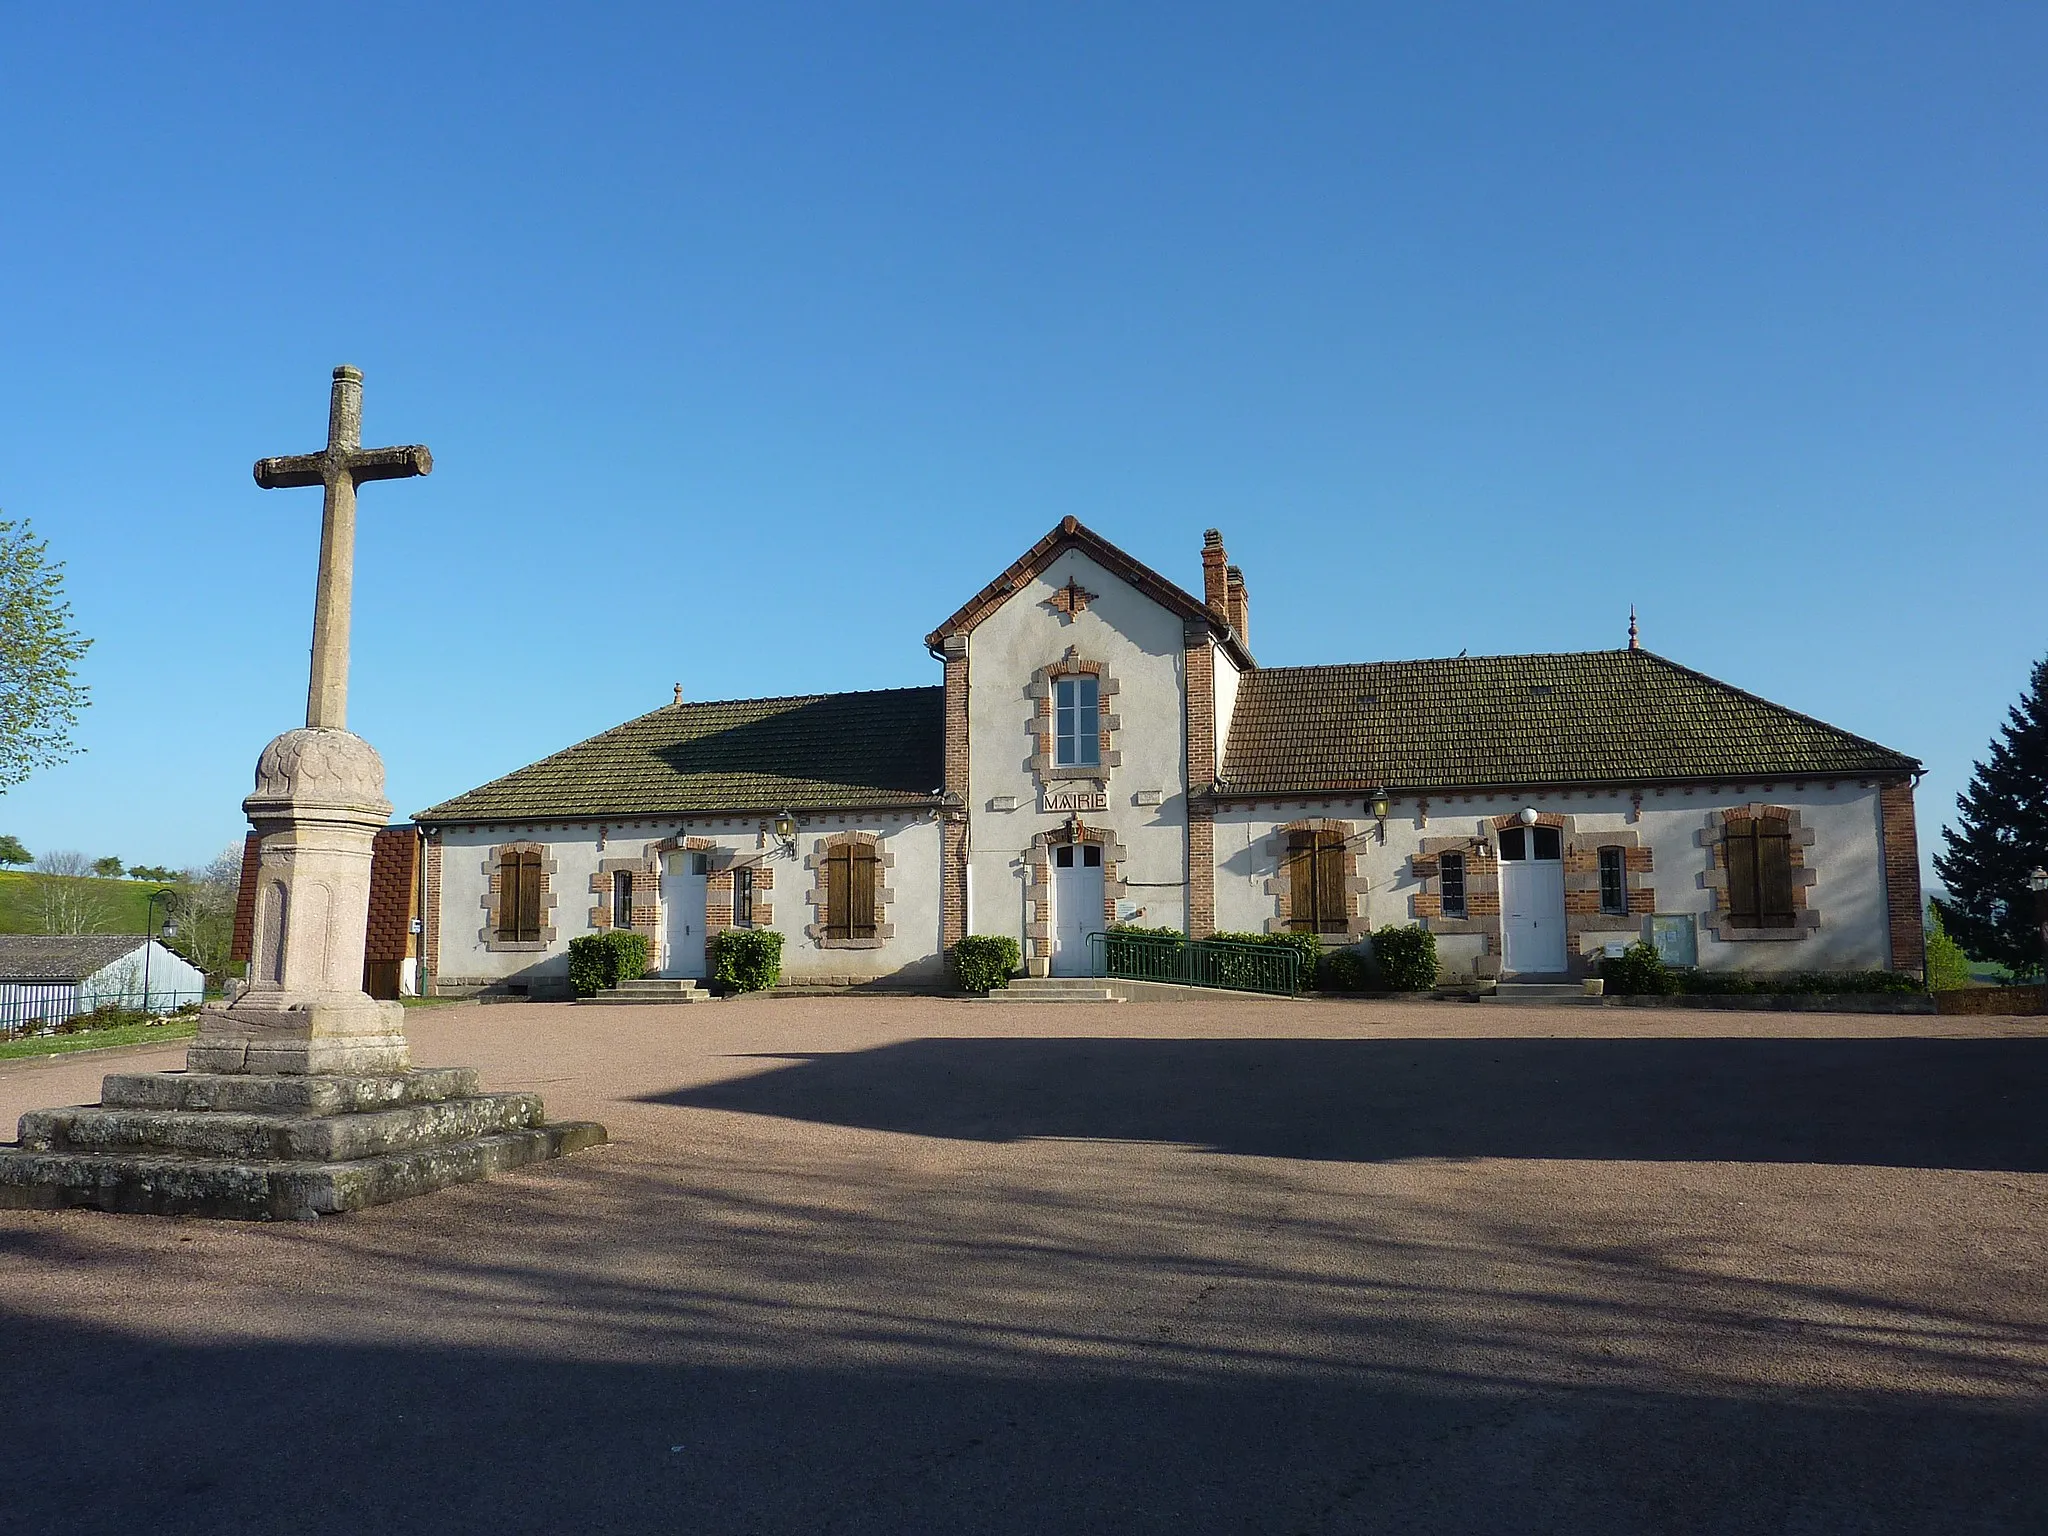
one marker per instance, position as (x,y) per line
(1231,963)
(29,1008)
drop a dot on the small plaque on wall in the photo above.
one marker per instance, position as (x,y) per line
(1002,802)
(1145,797)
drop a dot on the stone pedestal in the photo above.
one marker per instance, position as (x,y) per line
(319,802)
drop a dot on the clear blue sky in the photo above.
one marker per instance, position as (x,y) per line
(1469,326)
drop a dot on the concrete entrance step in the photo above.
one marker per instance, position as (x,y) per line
(654,989)
(1538,992)
(1055,989)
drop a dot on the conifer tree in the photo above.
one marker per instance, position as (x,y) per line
(2002,835)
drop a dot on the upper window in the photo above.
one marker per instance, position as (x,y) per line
(519,897)
(852,873)
(1077,722)
(1613,881)
(1315,883)
(1451,883)
(1760,873)
(1544,843)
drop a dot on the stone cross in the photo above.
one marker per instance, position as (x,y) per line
(341,467)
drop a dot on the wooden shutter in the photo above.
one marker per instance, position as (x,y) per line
(1330,883)
(1774,873)
(529,898)
(838,892)
(1301,882)
(1740,847)
(862,865)
(508,898)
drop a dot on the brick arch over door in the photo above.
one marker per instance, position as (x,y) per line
(1038,893)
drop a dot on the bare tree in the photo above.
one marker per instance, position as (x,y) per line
(67,904)
(205,911)
(68,862)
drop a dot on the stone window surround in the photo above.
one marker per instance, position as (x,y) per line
(1038,914)
(1714,878)
(817,897)
(1043,724)
(646,872)
(1280,886)
(488,936)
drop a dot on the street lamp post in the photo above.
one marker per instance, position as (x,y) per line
(2037,882)
(149,936)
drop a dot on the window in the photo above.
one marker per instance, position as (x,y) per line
(851,875)
(743,898)
(1315,883)
(622,899)
(1759,873)
(1613,882)
(1451,883)
(519,897)
(1091,856)
(1077,722)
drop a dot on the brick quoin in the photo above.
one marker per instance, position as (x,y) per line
(953,830)
(430,920)
(1902,900)
(1199,668)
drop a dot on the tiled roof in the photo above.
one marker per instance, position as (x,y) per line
(62,956)
(878,749)
(1466,722)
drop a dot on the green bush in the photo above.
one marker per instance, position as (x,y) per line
(1699,983)
(600,961)
(1233,970)
(1344,970)
(1133,931)
(1639,971)
(984,962)
(1404,959)
(1948,968)
(746,959)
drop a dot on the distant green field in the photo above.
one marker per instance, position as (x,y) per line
(124,901)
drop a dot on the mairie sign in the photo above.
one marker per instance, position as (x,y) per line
(1063,800)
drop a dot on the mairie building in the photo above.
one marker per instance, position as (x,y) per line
(1103,747)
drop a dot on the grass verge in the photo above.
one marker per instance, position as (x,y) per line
(95,1039)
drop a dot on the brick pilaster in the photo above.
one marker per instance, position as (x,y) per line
(1199,671)
(430,920)
(1903,905)
(953,829)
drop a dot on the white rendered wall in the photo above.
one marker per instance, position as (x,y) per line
(1227,681)
(913,840)
(1140,645)
(1846,857)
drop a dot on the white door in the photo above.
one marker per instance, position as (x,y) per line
(1532,901)
(1076,906)
(682,905)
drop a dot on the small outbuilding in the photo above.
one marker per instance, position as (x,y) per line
(50,977)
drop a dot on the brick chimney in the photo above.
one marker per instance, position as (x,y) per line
(1215,583)
(1237,603)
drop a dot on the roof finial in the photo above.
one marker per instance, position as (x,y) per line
(679,693)
(1635,640)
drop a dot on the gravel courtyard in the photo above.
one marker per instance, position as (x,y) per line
(916,1265)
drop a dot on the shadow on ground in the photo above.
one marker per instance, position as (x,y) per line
(1908,1103)
(318,1438)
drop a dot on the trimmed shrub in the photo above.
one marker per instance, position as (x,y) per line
(600,961)
(746,959)
(1404,959)
(1344,970)
(1638,971)
(1948,968)
(1133,931)
(1233,972)
(984,962)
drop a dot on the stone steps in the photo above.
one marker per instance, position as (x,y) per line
(1538,992)
(1055,989)
(653,989)
(273,1146)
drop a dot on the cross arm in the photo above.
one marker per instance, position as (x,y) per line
(297,469)
(390,463)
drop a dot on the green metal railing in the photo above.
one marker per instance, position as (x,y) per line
(1274,968)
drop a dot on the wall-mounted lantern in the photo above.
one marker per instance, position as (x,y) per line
(785,833)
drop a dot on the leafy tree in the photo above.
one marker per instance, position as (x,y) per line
(11,852)
(155,872)
(108,868)
(2001,835)
(1948,968)
(39,696)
